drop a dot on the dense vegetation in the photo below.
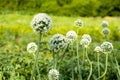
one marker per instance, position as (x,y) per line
(16,63)
(64,7)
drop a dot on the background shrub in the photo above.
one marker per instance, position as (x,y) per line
(64,7)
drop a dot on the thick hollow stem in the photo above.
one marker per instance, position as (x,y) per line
(83,55)
(72,71)
(36,58)
(55,55)
(98,64)
(90,65)
(78,65)
(56,59)
(53,59)
(72,63)
(105,67)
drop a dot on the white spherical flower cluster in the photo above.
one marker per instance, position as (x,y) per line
(106,31)
(58,42)
(78,23)
(32,47)
(87,36)
(53,74)
(71,36)
(41,23)
(105,24)
(86,40)
(98,49)
(107,47)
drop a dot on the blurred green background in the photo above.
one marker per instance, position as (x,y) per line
(16,32)
(63,7)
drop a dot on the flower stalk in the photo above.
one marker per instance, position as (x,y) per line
(117,66)
(90,64)
(105,67)
(78,65)
(72,63)
(98,64)
(36,58)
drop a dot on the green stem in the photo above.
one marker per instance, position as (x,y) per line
(38,71)
(98,64)
(78,65)
(57,57)
(64,52)
(105,67)
(83,56)
(83,59)
(117,66)
(72,63)
(72,71)
(36,58)
(90,65)
(54,60)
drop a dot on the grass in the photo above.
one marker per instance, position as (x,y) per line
(18,28)
(16,33)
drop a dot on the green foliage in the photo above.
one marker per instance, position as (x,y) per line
(64,7)
(16,63)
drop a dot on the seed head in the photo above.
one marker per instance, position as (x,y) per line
(105,24)
(97,49)
(41,23)
(32,47)
(106,31)
(87,36)
(71,36)
(85,42)
(78,23)
(58,42)
(107,47)
(53,74)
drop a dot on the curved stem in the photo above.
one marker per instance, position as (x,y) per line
(36,58)
(98,64)
(78,65)
(105,67)
(90,65)
(117,66)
